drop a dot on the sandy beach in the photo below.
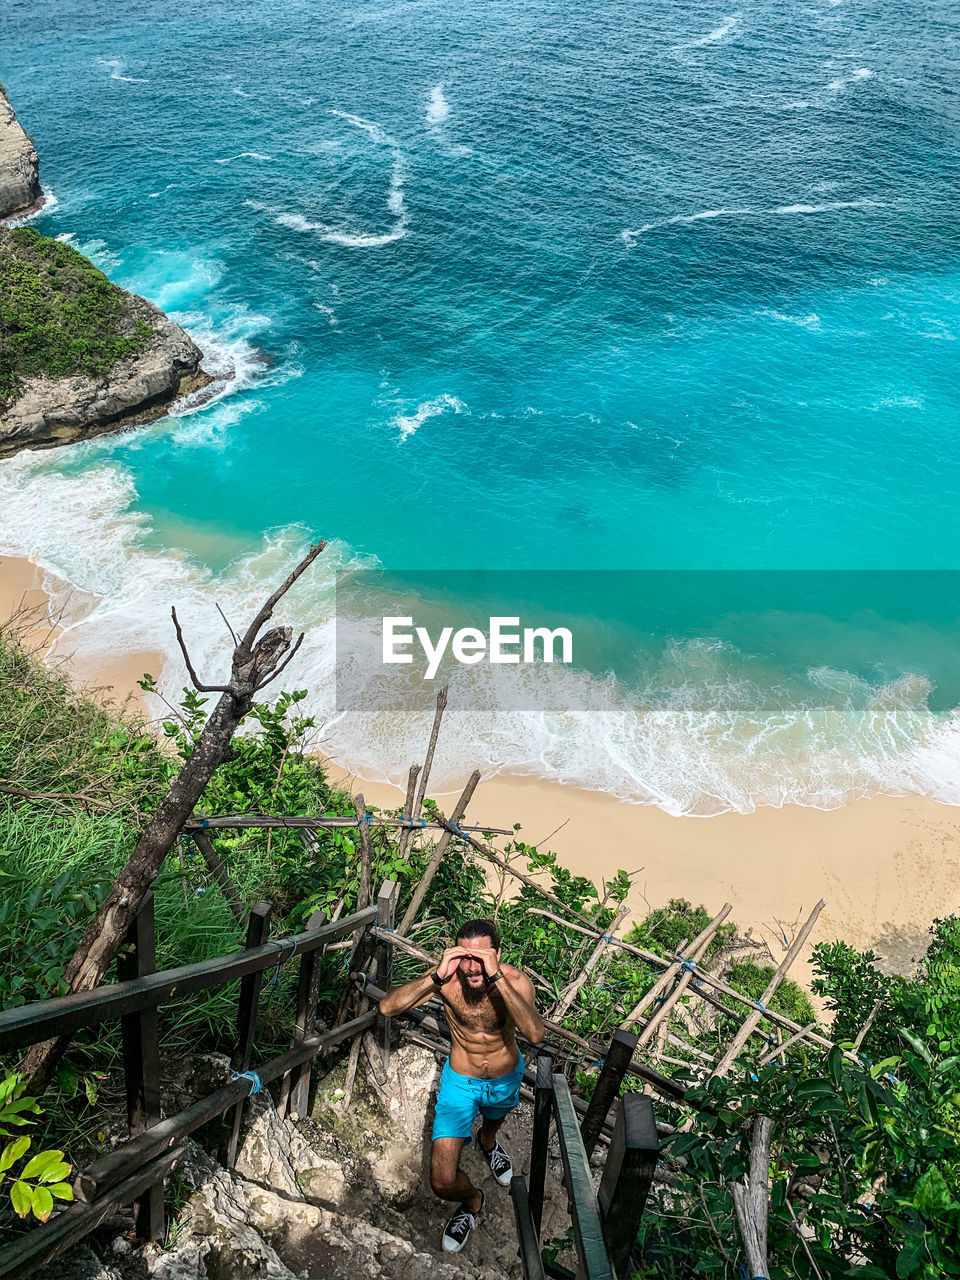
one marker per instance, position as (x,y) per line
(886,866)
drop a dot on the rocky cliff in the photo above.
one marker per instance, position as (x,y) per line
(78,355)
(19,165)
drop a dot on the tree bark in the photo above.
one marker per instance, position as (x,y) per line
(254,664)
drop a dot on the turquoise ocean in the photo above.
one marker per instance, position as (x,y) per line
(536,286)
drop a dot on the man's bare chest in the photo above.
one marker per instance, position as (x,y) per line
(487,1018)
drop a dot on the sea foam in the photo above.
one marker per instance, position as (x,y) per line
(437,108)
(409,423)
(396,202)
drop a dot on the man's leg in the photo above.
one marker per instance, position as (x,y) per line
(488,1132)
(448,1180)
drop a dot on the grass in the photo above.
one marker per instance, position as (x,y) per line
(59,314)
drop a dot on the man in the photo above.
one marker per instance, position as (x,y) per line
(486,1004)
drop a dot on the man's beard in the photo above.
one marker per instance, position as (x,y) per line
(471,995)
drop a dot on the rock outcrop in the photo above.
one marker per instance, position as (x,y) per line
(53,411)
(19,165)
(49,411)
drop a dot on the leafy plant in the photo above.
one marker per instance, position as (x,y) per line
(40,1180)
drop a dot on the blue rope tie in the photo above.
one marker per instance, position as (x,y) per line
(761,1007)
(256,1082)
(367,818)
(660,1000)
(606,938)
(688,966)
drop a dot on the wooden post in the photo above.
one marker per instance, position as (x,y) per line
(386,916)
(542,1111)
(258,929)
(526,1232)
(749,1026)
(570,991)
(608,1087)
(627,1178)
(431,748)
(751,1199)
(216,868)
(437,856)
(141,1058)
(366,854)
(295,1089)
(403,840)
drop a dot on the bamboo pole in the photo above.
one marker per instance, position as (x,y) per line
(785,1044)
(460,808)
(861,1034)
(431,748)
(743,1035)
(485,851)
(324,822)
(695,952)
(568,993)
(710,980)
(408,809)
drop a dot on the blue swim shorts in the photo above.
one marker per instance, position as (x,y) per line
(462,1098)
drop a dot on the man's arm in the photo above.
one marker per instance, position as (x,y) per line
(518,995)
(421,989)
(408,996)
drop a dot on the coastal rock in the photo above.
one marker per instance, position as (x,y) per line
(141,387)
(19,165)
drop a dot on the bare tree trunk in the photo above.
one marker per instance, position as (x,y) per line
(254,664)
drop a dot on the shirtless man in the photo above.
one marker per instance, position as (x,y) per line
(486,1003)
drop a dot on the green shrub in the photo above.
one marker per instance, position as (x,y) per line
(59,314)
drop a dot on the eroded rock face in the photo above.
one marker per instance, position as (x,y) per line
(19,165)
(345,1194)
(140,388)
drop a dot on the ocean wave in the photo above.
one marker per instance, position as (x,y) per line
(115,67)
(396,202)
(811,321)
(437,107)
(726,28)
(48,202)
(696,737)
(630,237)
(96,250)
(410,423)
(244,155)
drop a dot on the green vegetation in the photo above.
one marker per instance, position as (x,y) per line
(59,314)
(41,1178)
(865,1156)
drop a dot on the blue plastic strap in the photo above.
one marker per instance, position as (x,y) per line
(606,938)
(256,1082)
(761,1007)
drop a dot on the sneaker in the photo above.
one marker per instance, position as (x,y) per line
(499,1162)
(457,1230)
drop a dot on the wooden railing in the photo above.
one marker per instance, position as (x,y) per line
(605,1222)
(135,1170)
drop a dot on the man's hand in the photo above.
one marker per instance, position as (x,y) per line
(450,962)
(488,958)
